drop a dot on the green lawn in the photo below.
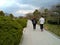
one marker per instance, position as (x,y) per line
(53,28)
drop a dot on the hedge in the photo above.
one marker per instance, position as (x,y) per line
(10,31)
(22,21)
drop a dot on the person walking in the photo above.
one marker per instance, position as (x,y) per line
(34,22)
(41,20)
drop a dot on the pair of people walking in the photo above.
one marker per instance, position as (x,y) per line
(41,21)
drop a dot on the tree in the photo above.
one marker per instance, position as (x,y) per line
(2,13)
(45,12)
(56,8)
(55,14)
(11,15)
(37,14)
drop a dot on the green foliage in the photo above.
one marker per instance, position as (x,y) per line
(22,21)
(53,28)
(10,31)
(2,13)
(54,17)
(11,15)
(37,14)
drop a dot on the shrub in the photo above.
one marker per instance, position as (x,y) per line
(53,28)
(22,21)
(53,22)
(10,31)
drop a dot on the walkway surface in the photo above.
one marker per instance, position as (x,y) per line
(36,37)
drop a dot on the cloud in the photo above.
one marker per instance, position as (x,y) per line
(26,6)
(21,7)
(24,11)
(6,3)
(40,3)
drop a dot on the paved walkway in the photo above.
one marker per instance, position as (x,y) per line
(36,37)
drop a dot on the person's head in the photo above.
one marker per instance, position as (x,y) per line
(33,17)
(42,16)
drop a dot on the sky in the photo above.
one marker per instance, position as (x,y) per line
(22,7)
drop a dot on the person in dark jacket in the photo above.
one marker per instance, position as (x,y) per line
(34,22)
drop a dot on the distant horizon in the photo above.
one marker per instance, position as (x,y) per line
(21,7)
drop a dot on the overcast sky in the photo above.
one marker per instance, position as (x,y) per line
(21,7)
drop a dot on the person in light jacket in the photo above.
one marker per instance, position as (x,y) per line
(41,20)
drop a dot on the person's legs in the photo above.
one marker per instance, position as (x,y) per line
(34,26)
(41,27)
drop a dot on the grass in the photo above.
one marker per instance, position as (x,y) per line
(53,28)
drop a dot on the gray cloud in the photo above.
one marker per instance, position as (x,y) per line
(26,5)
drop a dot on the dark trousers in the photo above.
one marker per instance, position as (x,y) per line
(34,26)
(41,27)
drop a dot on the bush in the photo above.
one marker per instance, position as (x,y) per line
(53,28)
(52,22)
(10,31)
(22,21)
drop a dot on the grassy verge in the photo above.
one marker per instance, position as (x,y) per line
(53,28)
